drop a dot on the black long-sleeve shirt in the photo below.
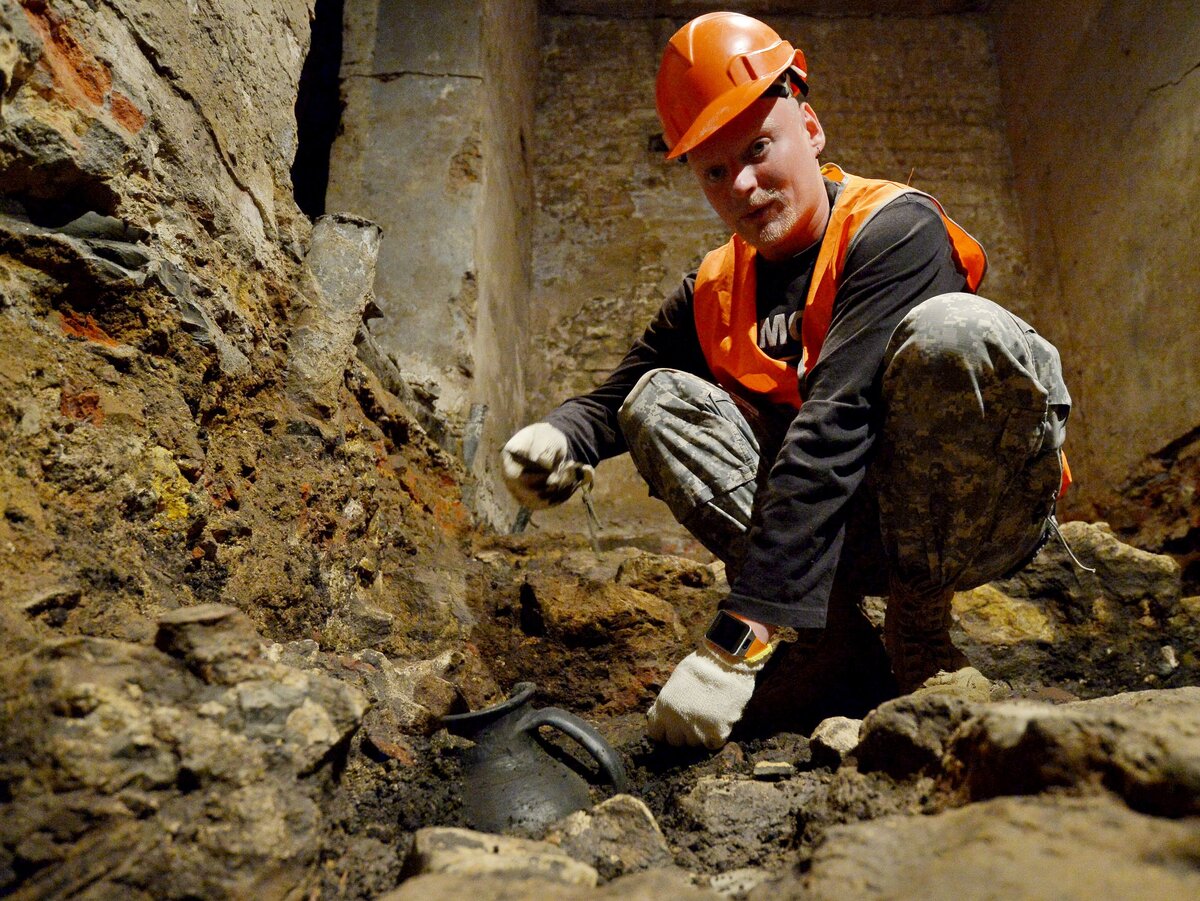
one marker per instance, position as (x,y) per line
(902,256)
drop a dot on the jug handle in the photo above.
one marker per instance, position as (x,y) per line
(593,742)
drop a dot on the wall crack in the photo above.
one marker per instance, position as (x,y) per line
(393,76)
(1154,89)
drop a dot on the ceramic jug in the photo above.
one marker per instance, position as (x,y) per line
(510,782)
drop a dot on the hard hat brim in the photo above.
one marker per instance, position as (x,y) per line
(724,110)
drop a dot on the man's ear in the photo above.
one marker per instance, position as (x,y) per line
(812,127)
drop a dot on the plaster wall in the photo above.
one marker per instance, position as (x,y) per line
(1103,98)
(408,157)
(911,99)
(434,147)
(504,241)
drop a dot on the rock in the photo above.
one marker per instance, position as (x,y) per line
(739,883)
(989,616)
(907,736)
(1128,583)
(49,599)
(1035,848)
(1143,745)
(742,822)
(834,738)
(770,770)
(655,885)
(847,795)
(784,747)
(197,319)
(407,699)
(1125,578)
(481,855)
(966,684)
(693,589)
(217,642)
(126,768)
(616,837)
(1092,633)
(651,885)
(342,260)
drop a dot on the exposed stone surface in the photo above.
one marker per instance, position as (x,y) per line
(653,885)
(990,617)
(1132,374)
(741,822)
(1091,633)
(435,144)
(481,855)
(1007,848)
(341,257)
(769,770)
(150,254)
(1145,746)
(116,755)
(741,882)
(616,837)
(406,698)
(908,735)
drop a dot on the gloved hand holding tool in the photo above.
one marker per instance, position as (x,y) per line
(709,689)
(538,468)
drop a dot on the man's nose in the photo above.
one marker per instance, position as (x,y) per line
(745,181)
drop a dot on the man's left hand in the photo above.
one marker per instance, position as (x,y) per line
(703,699)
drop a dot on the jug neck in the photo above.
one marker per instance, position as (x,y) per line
(476,722)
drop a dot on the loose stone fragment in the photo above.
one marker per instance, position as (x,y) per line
(834,738)
(482,854)
(342,261)
(616,837)
(769,770)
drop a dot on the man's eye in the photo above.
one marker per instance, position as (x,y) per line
(715,174)
(758,149)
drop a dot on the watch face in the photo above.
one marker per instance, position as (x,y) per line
(730,634)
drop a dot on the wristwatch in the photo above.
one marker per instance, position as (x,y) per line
(734,636)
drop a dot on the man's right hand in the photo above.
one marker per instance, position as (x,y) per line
(538,468)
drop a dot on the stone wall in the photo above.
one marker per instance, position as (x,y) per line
(1102,98)
(911,99)
(504,244)
(408,157)
(433,147)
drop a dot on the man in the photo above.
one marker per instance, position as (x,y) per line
(824,402)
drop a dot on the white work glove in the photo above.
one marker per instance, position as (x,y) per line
(538,468)
(703,698)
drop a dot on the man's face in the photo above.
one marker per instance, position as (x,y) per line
(760,173)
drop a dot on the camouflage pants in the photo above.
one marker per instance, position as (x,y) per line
(966,470)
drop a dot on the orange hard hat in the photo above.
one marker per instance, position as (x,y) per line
(714,67)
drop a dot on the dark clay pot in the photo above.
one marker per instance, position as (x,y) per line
(510,781)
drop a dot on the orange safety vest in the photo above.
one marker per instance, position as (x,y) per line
(724,296)
(725,305)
